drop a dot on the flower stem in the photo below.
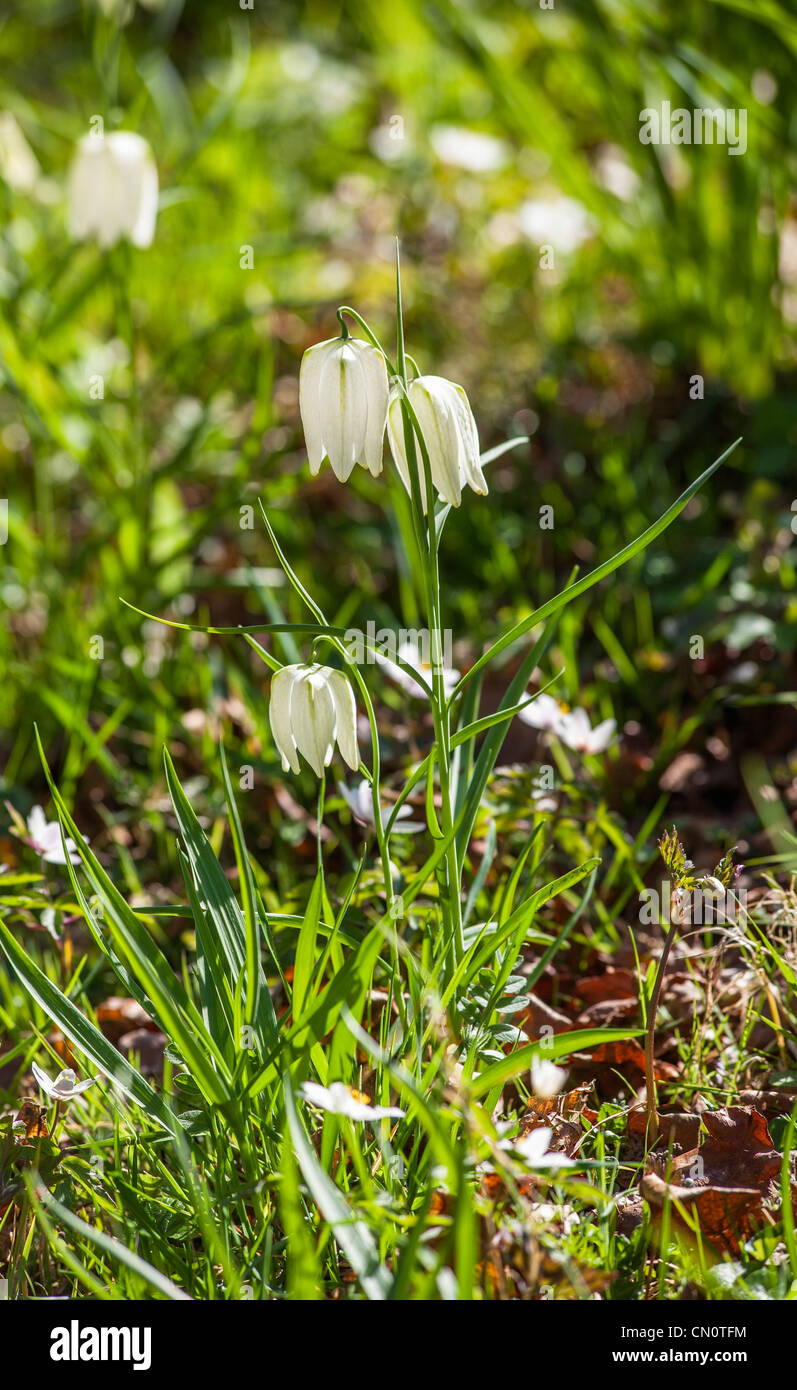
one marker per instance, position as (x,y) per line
(426,537)
(650,1035)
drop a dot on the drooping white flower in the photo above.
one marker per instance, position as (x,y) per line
(66,1085)
(546,1078)
(340,1099)
(19,167)
(360,802)
(413,655)
(311,708)
(343,395)
(449,430)
(543,713)
(113,189)
(575,730)
(45,838)
(533,1149)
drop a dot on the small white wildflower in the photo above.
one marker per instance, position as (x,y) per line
(546,1078)
(575,730)
(340,1099)
(359,800)
(45,838)
(66,1085)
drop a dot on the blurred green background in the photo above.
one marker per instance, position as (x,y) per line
(314,133)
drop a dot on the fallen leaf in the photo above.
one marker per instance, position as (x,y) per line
(679,1128)
(724,1181)
(726,1215)
(612,984)
(565,1106)
(118,1015)
(538,1015)
(34,1117)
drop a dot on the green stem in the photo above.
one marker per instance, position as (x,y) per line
(650,1037)
(426,538)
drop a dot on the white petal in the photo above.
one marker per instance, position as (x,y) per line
(84,1085)
(113,189)
(346,718)
(82,180)
(37,825)
(43,1079)
(574,729)
(344,410)
(395,435)
(317,1095)
(469,440)
(128,157)
(143,230)
(542,713)
(310,400)
(602,735)
(359,801)
(279,715)
(546,1078)
(313,718)
(439,429)
(377,392)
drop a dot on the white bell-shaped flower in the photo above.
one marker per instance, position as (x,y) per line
(312,708)
(113,189)
(343,395)
(449,430)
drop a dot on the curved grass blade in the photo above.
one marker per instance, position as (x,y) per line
(353,1236)
(83,1034)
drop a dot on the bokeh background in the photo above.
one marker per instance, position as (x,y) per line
(314,134)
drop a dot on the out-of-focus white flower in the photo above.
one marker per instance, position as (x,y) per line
(563,223)
(45,838)
(343,396)
(615,173)
(66,1085)
(113,189)
(311,708)
(533,1149)
(541,796)
(340,1099)
(392,141)
(19,167)
(575,730)
(449,430)
(468,149)
(558,1213)
(412,655)
(764,86)
(546,1078)
(787,253)
(360,802)
(543,713)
